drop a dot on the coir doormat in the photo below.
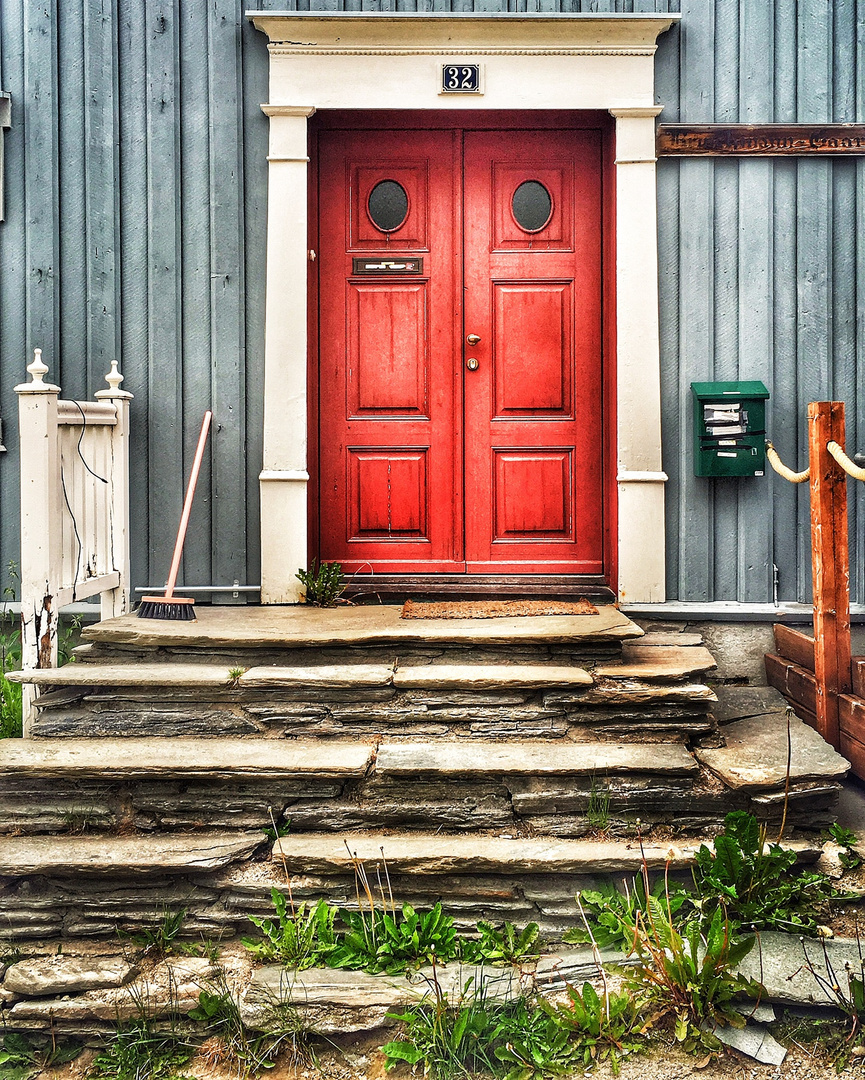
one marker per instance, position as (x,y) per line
(494,609)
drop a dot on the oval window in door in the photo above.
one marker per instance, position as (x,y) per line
(388,205)
(532,206)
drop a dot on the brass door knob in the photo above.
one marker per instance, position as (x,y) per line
(473,339)
(472,364)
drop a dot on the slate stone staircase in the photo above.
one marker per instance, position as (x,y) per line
(480,759)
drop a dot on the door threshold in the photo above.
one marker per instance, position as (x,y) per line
(397,588)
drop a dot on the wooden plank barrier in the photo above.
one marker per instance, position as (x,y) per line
(74,509)
(818,675)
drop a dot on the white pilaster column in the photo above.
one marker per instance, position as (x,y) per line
(284,477)
(639,475)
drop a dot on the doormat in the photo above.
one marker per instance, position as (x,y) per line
(494,609)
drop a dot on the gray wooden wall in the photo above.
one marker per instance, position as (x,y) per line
(135,227)
(762,277)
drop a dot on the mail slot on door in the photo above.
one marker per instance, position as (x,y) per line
(729,428)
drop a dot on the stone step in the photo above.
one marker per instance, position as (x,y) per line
(191,759)
(93,887)
(426,699)
(533,759)
(638,677)
(323,854)
(329,676)
(122,856)
(172,677)
(489,676)
(168,785)
(755,757)
(653,662)
(151,676)
(306,627)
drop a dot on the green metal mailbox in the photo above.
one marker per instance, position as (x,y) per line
(729,428)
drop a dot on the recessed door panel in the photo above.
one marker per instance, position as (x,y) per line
(388,494)
(532,348)
(387,358)
(368,189)
(533,495)
(532,205)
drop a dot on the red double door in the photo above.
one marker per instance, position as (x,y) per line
(459,350)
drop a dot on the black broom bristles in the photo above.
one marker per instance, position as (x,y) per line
(180,608)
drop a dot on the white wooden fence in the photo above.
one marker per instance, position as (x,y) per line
(74,507)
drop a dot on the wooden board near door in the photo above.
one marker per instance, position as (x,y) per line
(790,670)
(426,466)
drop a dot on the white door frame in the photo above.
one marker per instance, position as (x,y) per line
(364,60)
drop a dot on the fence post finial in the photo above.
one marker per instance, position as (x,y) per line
(114,379)
(37,372)
(37,369)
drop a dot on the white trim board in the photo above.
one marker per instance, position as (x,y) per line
(383,60)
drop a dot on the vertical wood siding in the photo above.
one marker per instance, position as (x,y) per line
(761,278)
(136,207)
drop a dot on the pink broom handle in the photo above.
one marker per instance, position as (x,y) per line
(187,505)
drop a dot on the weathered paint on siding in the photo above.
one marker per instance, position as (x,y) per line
(761,278)
(147,240)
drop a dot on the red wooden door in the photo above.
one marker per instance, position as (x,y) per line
(533,447)
(437,455)
(391,474)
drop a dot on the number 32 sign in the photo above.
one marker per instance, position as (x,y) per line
(461,79)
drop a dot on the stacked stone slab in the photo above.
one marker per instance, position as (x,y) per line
(97,886)
(501,739)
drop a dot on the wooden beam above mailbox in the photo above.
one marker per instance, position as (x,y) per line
(759,140)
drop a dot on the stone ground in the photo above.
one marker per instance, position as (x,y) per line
(358,1058)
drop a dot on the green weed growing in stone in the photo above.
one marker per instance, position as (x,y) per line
(598,808)
(450,1037)
(22,1058)
(234,674)
(516,1039)
(381,941)
(384,937)
(510,945)
(161,940)
(10,660)
(603,1027)
(323,583)
(756,882)
(298,937)
(610,914)
(849,858)
(138,1050)
(690,976)
(228,1043)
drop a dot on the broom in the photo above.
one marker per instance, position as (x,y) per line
(170,606)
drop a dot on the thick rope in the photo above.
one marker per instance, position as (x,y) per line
(849,467)
(782,470)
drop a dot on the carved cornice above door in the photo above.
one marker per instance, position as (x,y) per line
(369,60)
(392,33)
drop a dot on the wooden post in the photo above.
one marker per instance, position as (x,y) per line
(41,534)
(116,601)
(830,565)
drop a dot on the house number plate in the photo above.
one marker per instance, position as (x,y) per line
(461,79)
